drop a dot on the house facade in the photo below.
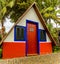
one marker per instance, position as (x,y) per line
(29,36)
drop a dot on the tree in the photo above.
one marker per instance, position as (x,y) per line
(53,32)
(47,9)
(19,8)
(5,6)
(14,8)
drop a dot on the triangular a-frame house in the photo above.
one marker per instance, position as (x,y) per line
(29,36)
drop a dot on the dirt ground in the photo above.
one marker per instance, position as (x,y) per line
(39,59)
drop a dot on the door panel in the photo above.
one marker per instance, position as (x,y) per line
(32,38)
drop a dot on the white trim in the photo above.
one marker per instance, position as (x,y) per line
(16,42)
(20,41)
(45,42)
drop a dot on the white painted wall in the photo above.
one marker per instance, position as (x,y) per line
(48,39)
(31,15)
(10,37)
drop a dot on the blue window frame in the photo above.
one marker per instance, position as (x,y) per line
(19,33)
(42,35)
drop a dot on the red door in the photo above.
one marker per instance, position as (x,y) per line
(31,38)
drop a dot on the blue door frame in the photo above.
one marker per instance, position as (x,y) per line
(30,21)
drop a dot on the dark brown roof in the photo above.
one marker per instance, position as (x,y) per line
(40,18)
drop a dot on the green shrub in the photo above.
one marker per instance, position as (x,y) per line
(56,49)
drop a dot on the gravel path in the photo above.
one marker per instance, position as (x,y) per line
(40,59)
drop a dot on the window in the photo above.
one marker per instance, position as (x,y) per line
(42,35)
(19,33)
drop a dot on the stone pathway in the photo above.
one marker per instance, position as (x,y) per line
(40,59)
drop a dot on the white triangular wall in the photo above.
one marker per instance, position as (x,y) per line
(30,15)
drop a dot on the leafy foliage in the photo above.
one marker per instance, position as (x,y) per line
(4,4)
(56,49)
(47,9)
(53,32)
(11,4)
(19,8)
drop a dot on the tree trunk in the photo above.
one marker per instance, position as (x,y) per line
(2,23)
(3,28)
